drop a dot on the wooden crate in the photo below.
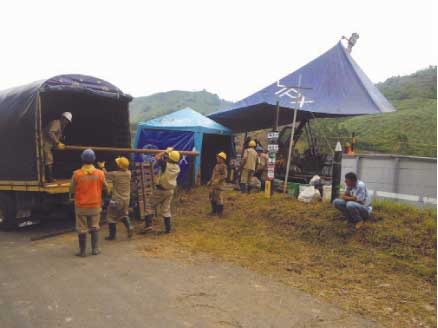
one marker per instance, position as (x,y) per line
(143,185)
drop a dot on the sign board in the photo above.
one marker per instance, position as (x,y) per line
(271,174)
(273,148)
(273,135)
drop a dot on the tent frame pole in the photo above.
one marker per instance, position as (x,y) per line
(297,102)
(243,144)
(277,116)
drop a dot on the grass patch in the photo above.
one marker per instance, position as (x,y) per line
(387,270)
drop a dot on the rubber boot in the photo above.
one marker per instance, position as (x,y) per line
(243,188)
(95,242)
(167,225)
(213,208)
(220,209)
(147,223)
(82,245)
(49,173)
(128,226)
(112,228)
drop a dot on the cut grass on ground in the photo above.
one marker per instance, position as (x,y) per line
(386,270)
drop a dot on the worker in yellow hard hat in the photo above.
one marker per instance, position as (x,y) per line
(216,183)
(165,184)
(118,208)
(248,165)
(347,149)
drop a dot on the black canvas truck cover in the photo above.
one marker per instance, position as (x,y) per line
(19,116)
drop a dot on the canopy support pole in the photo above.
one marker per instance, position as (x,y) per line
(277,116)
(297,103)
(243,144)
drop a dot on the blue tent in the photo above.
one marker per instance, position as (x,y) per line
(185,129)
(337,87)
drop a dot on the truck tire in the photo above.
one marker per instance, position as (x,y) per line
(7,212)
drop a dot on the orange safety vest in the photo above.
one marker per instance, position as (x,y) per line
(88,191)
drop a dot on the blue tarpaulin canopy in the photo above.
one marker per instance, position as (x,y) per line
(182,130)
(336,84)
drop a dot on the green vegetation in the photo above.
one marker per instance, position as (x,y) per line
(142,109)
(409,131)
(149,107)
(386,270)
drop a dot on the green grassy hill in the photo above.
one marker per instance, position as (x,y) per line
(146,108)
(409,131)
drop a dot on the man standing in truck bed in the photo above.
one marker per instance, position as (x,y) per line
(53,134)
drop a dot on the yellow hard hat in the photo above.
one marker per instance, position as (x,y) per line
(122,162)
(174,156)
(222,155)
(252,143)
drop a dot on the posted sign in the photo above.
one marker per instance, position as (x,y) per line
(272,152)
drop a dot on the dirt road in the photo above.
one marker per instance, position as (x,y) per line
(43,285)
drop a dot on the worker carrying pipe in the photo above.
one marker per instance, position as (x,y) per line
(165,184)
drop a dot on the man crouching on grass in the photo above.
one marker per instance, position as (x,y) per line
(355,203)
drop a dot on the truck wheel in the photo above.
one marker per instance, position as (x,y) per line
(7,212)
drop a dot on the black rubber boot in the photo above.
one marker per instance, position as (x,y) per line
(112,228)
(49,173)
(220,209)
(95,242)
(167,225)
(128,226)
(213,208)
(147,223)
(82,245)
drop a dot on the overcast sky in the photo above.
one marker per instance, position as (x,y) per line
(232,48)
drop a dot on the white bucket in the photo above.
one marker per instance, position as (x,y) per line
(303,187)
(326,193)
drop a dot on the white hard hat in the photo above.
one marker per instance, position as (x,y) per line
(68,116)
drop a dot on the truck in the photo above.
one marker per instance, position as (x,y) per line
(100,118)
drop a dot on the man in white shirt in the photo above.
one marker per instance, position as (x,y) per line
(355,203)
